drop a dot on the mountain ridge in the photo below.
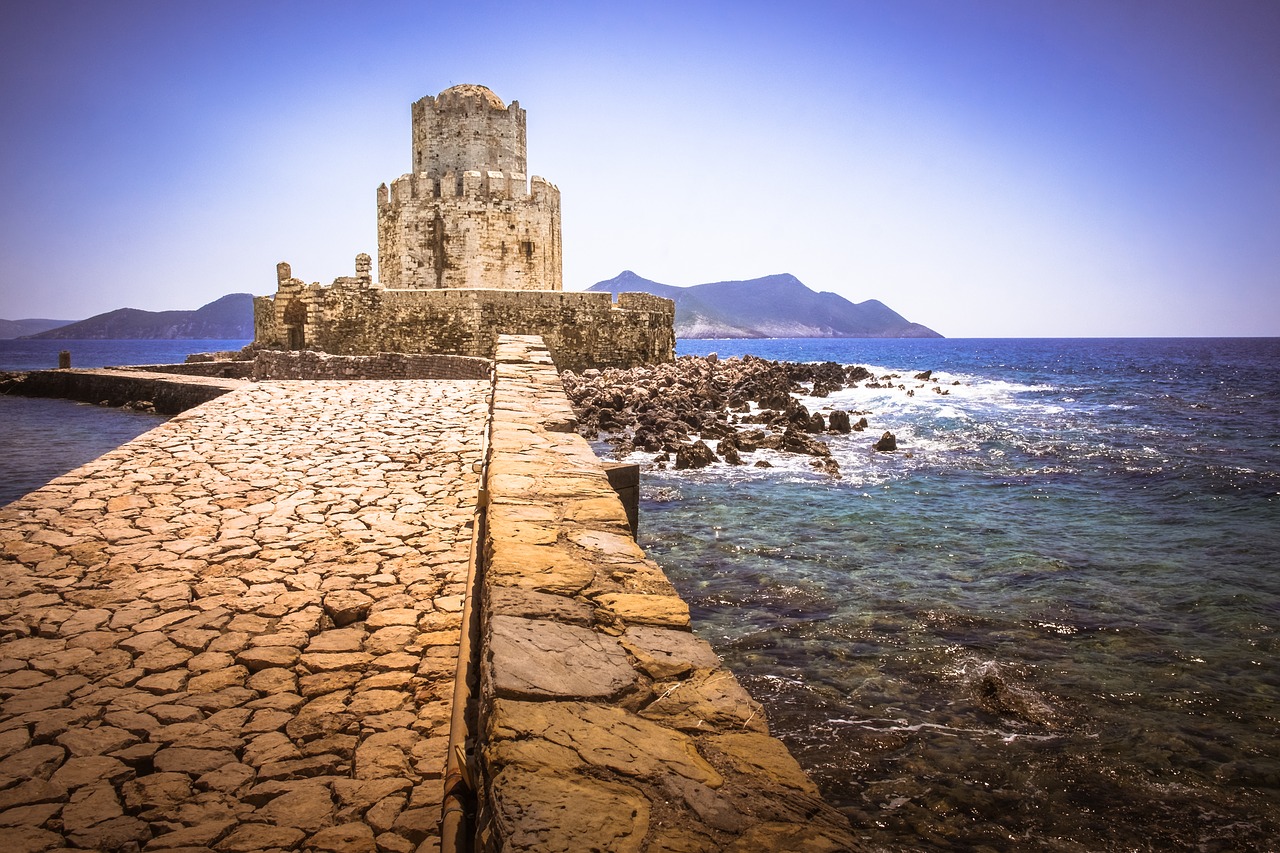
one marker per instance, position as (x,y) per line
(773,306)
(229,318)
(10,329)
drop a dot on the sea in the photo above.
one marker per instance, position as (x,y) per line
(44,438)
(1049,621)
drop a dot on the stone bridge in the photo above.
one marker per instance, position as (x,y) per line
(369,615)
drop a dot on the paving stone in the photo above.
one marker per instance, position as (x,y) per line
(30,839)
(36,762)
(99,741)
(663,654)
(263,657)
(192,761)
(546,812)
(599,736)
(90,805)
(346,838)
(306,807)
(254,837)
(33,791)
(35,815)
(531,658)
(87,770)
(202,835)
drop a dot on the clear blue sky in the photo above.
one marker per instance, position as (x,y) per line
(985,167)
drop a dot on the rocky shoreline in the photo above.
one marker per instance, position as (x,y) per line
(743,404)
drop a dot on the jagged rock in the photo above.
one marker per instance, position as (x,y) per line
(887,442)
(925,376)
(696,455)
(839,421)
(826,465)
(728,448)
(794,441)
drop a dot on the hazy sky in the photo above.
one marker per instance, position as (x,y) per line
(985,167)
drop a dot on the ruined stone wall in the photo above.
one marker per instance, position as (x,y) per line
(605,724)
(469,228)
(582,329)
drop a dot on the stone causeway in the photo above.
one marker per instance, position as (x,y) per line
(369,615)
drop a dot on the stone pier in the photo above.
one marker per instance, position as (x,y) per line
(240,632)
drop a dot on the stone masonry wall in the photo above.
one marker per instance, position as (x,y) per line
(307,364)
(582,329)
(605,723)
(467,127)
(474,228)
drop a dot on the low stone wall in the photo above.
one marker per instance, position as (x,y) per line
(582,329)
(308,364)
(605,724)
(219,368)
(168,395)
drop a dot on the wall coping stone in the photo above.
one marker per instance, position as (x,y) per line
(602,716)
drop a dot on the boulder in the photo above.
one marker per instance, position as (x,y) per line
(886,443)
(696,455)
(795,441)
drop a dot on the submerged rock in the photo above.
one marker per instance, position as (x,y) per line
(994,693)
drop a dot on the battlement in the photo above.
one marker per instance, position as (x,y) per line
(467,128)
(485,186)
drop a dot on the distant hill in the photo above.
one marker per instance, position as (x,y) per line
(230,317)
(776,306)
(10,329)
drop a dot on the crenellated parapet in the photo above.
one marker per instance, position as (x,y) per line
(468,216)
(470,229)
(467,127)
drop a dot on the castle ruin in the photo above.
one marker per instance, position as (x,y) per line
(468,248)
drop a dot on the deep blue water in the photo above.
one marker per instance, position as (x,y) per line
(1050,621)
(43,439)
(43,355)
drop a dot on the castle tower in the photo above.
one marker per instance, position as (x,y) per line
(468,216)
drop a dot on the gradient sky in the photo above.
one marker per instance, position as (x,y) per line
(985,167)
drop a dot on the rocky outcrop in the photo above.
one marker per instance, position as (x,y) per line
(745,404)
(887,442)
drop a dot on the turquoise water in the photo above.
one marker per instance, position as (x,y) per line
(1049,622)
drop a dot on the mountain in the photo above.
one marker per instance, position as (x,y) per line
(10,329)
(228,318)
(776,306)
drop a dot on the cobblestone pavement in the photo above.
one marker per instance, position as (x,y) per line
(239,631)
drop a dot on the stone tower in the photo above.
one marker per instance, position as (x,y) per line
(468,216)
